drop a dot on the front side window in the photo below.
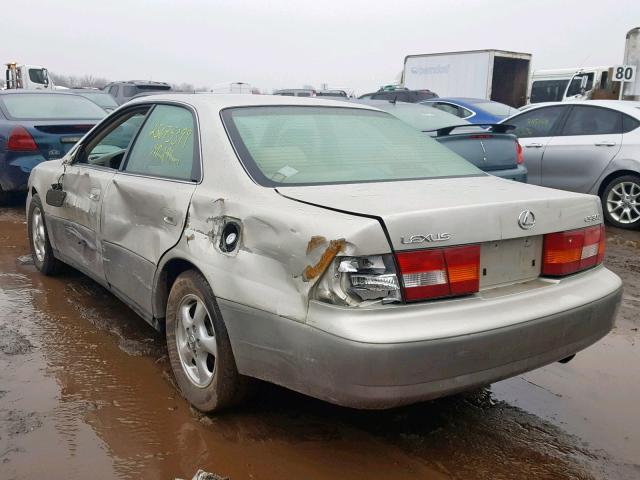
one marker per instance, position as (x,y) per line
(289,145)
(108,147)
(38,75)
(113,90)
(592,121)
(538,122)
(575,87)
(548,90)
(165,146)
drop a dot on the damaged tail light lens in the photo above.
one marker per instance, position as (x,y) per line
(371,277)
(441,272)
(573,251)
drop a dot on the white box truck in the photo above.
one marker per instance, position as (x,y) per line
(490,74)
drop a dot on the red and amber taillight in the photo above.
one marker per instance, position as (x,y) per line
(519,154)
(439,272)
(573,251)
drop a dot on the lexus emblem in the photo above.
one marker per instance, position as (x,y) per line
(526,219)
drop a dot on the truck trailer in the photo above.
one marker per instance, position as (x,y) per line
(490,74)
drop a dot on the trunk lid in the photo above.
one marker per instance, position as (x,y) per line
(55,138)
(453,211)
(487,151)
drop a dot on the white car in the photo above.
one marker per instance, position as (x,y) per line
(586,146)
(321,245)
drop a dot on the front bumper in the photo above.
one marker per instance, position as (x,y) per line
(356,367)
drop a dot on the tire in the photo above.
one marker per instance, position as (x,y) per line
(41,250)
(621,202)
(199,348)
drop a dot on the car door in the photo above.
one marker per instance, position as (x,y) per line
(534,129)
(75,226)
(587,142)
(146,205)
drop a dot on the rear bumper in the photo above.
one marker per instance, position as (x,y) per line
(15,171)
(378,374)
(519,174)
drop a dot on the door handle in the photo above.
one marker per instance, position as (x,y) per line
(605,144)
(94,195)
(169,220)
(533,145)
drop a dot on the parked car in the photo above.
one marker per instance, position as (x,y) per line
(39,125)
(122,92)
(332,93)
(474,110)
(296,92)
(99,97)
(586,146)
(496,151)
(324,246)
(400,95)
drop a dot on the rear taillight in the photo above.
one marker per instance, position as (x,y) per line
(20,140)
(572,251)
(519,154)
(441,272)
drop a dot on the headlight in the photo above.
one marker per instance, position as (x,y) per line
(357,280)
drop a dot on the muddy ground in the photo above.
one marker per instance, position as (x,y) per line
(86,392)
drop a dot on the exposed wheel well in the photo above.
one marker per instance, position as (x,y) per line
(611,176)
(166,278)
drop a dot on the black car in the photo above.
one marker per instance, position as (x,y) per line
(122,92)
(400,95)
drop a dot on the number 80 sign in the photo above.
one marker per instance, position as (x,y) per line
(624,73)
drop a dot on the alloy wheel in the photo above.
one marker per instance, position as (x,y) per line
(196,341)
(623,203)
(38,233)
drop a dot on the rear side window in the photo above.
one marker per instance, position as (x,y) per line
(538,122)
(165,146)
(592,121)
(113,90)
(548,90)
(629,123)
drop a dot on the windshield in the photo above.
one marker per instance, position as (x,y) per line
(34,106)
(292,145)
(103,99)
(548,90)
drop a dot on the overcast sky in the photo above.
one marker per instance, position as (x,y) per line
(278,43)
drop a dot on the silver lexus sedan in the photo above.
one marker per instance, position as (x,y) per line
(323,246)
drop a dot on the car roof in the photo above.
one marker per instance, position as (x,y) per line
(24,91)
(222,101)
(462,100)
(139,82)
(626,106)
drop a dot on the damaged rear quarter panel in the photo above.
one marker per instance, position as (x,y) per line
(284,247)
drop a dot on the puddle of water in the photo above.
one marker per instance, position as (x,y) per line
(92,398)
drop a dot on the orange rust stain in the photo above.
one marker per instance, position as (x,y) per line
(328,255)
(315,242)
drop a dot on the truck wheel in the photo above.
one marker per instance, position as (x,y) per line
(198,346)
(41,250)
(621,202)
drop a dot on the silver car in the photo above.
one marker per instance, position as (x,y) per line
(586,146)
(324,246)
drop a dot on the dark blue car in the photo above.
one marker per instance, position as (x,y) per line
(36,126)
(473,110)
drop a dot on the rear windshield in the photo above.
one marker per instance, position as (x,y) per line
(50,106)
(101,98)
(497,108)
(292,145)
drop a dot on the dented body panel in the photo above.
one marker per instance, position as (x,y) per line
(266,252)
